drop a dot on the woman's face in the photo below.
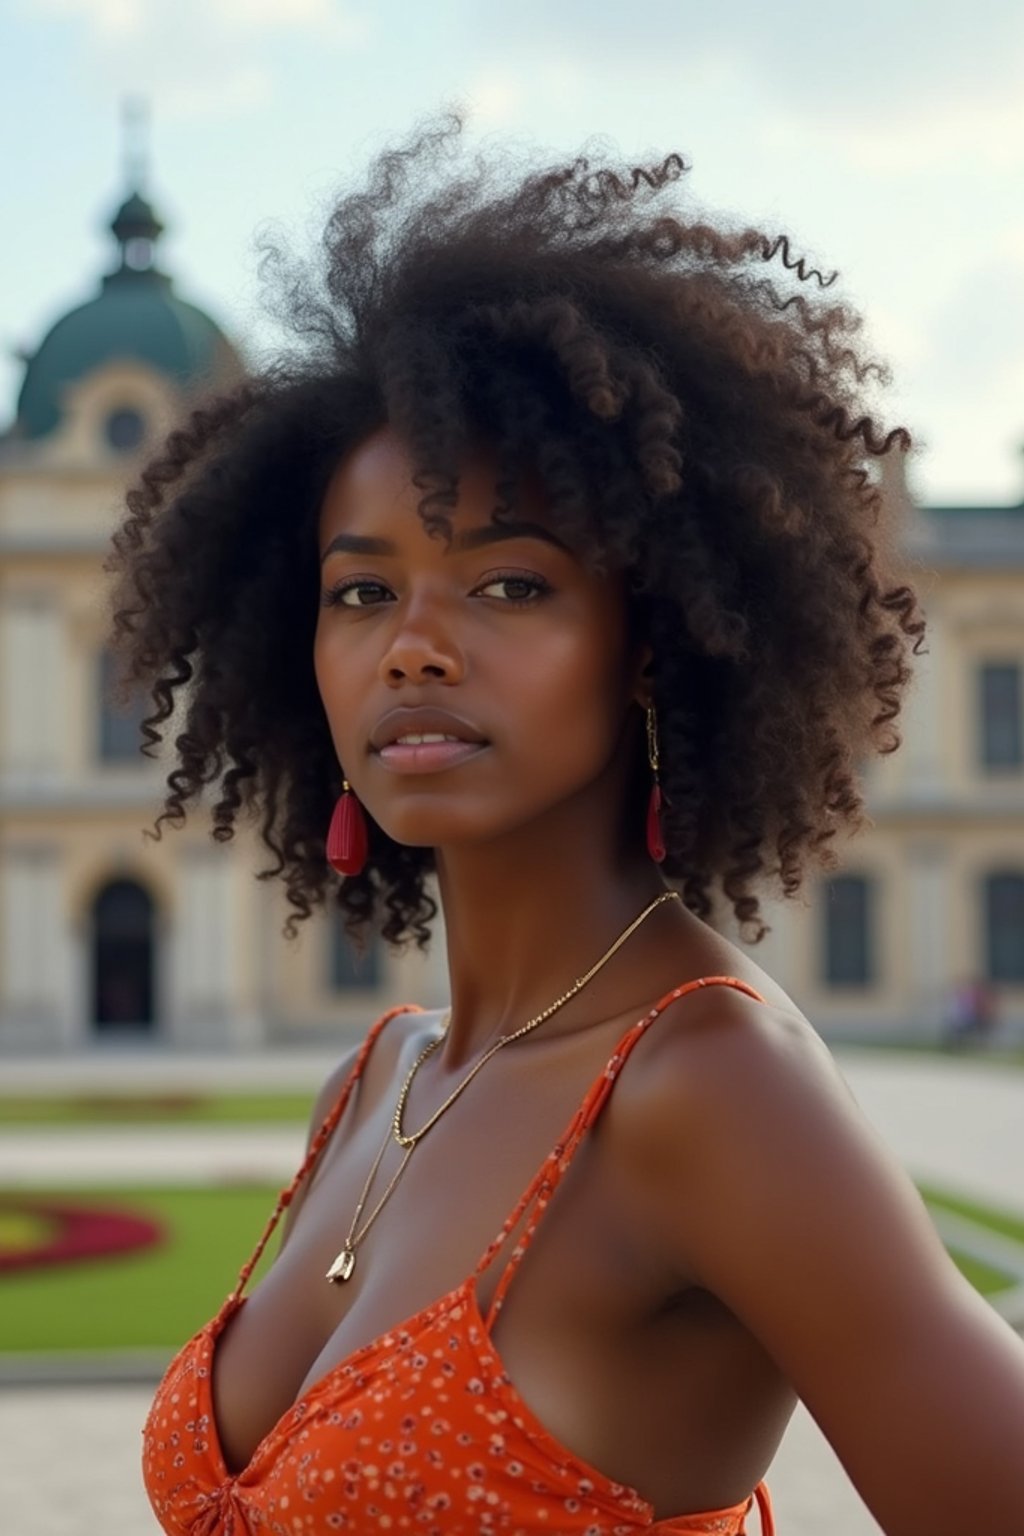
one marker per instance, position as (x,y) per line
(500,639)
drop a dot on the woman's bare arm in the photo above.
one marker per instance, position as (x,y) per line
(771,1187)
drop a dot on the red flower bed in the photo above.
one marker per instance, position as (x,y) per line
(76,1232)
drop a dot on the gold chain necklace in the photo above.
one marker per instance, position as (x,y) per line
(345,1263)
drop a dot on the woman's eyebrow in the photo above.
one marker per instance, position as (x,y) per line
(470,538)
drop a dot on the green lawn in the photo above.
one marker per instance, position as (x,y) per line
(138,1109)
(985,1216)
(983,1277)
(157,1298)
(153,1299)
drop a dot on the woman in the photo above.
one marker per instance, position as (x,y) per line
(554,568)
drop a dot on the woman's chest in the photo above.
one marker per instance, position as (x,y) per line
(583,1279)
(586,1351)
(587,1340)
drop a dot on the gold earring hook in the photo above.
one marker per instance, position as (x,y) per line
(652,738)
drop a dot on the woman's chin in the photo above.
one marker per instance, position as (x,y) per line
(438,832)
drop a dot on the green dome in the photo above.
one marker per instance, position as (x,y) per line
(136,315)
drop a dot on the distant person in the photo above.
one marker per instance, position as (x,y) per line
(555,568)
(973,1013)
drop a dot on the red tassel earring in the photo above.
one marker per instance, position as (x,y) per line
(655,836)
(348,842)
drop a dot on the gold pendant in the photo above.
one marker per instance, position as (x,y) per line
(343,1266)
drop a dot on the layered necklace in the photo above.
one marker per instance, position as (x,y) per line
(345,1262)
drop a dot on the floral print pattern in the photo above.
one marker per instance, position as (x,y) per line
(420,1431)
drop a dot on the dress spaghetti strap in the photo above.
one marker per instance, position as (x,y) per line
(548,1177)
(317,1144)
(764,1509)
(540,1190)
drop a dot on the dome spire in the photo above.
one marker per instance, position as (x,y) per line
(136,317)
(135,141)
(135,226)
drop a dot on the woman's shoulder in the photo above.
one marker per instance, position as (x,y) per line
(713,1047)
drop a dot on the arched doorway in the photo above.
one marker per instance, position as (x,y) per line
(122,957)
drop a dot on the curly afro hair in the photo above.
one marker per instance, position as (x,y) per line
(691,398)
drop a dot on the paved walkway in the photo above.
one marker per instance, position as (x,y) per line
(59,1157)
(957,1123)
(93,1487)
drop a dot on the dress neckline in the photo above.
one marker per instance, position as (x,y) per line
(462,1304)
(539,1191)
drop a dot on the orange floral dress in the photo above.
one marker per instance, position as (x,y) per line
(421,1430)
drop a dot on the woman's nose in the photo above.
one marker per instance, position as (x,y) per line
(423,649)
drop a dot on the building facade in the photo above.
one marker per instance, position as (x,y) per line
(930,898)
(107,938)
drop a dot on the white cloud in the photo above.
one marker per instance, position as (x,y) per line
(499,99)
(199,58)
(212,92)
(495,100)
(891,58)
(972,136)
(325,18)
(898,338)
(965,379)
(109,17)
(977,334)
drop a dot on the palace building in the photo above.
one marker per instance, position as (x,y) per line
(931,897)
(107,938)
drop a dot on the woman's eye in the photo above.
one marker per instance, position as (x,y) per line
(356,594)
(515,589)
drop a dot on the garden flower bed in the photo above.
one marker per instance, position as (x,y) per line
(142,1296)
(60,1232)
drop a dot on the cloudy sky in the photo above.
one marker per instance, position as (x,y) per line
(888,139)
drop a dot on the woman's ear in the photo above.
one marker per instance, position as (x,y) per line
(643,676)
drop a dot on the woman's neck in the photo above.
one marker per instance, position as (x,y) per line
(525,919)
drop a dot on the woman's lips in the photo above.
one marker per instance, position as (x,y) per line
(428,756)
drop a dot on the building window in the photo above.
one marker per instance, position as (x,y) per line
(125,429)
(1004,926)
(1001,715)
(848,922)
(348,969)
(120,737)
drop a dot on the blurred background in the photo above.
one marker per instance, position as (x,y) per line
(160,1041)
